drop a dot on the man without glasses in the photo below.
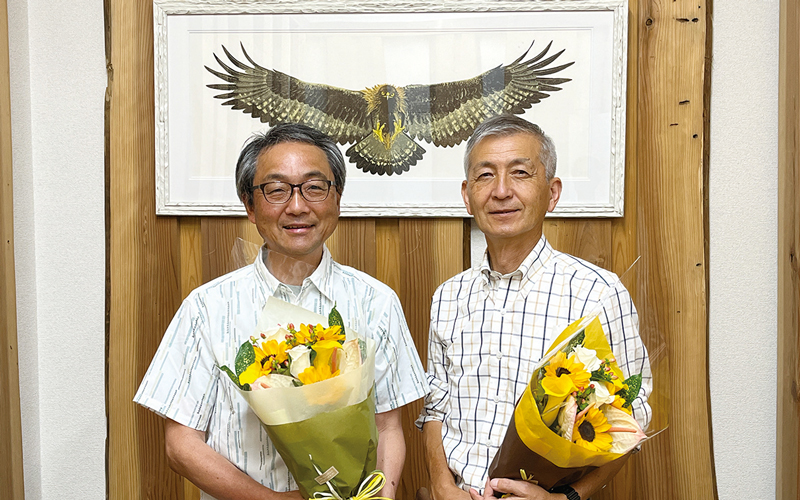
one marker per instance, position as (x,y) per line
(491,324)
(290,181)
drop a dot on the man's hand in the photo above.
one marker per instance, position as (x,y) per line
(443,486)
(519,490)
(190,456)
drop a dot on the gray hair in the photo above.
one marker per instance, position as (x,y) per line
(285,132)
(503,125)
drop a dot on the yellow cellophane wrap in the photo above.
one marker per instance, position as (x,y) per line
(535,434)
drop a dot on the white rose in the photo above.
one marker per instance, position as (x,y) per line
(301,359)
(588,357)
(601,394)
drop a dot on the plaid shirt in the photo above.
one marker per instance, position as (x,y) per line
(488,331)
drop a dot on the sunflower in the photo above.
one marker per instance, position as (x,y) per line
(316,373)
(591,431)
(564,376)
(268,358)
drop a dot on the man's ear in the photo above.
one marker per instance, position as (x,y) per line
(465,197)
(248,206)
(555,193)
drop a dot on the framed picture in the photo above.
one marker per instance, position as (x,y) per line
(400,85)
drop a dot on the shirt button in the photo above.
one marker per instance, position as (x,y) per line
(498,355)
(496,399)
(502,312)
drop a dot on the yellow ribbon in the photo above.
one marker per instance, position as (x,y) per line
(367,490)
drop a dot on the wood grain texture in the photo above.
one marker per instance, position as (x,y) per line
(11,470)
(788,418)
(144,260)
(670,235)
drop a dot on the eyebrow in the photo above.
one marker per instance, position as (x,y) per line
(277,176)
(516,161)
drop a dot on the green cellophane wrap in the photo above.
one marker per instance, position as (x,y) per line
(346,439)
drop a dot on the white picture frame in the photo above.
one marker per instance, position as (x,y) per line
(359,44)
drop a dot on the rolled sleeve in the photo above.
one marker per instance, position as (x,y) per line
(399,376)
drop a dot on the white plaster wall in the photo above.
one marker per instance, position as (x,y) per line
(58,83)
(743,246)
(58,80)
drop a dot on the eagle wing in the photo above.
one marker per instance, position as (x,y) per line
(275,97)
(446,114)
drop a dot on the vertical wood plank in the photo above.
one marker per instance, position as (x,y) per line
(671,229)
(353,244)
(222,252)
(588,239)
(788,431)
(143,253)
(191,255)
(387,248)
(11,470)
(431,251)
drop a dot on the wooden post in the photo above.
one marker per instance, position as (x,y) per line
(787,465)
(11,474)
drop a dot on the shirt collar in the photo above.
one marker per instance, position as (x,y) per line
(321,278)
(535,260)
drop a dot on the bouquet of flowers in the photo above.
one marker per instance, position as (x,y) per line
(575,414)
(302,381)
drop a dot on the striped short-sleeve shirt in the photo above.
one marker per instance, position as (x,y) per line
(184,384)
(488,331)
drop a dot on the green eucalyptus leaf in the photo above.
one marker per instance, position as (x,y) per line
(245,357)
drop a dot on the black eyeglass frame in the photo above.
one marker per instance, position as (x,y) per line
(299,187)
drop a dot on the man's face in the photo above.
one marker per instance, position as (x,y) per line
(507,189)
(297,228)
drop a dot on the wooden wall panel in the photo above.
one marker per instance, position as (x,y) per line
(144,259)
(670,235)
(11,472)
(155,262)
(788,418)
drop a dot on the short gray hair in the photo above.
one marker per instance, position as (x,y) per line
(259,142)
(503,125)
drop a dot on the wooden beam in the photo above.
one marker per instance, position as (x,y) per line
(787,465)
(11,473)
(671,233)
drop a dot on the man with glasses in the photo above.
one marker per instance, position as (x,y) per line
(290,181)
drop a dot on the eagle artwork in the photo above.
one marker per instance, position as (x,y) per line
(383,121)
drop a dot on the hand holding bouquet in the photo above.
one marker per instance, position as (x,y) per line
(303,382)
(575,414)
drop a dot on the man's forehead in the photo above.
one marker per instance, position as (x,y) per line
(279,169)
(529,140)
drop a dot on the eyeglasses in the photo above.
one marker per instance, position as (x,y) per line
(278,192)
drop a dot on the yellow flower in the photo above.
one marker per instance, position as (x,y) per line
(591,431)
(330,333)
(268,356)
(563,376)
(618,402)
(316,373)
(327,353)
(272,349)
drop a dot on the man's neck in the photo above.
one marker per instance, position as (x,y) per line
(505,256)
(289,270)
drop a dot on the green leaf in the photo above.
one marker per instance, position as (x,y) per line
(575,342)
(334,318)
(245,357)
(634,383)
(231,375)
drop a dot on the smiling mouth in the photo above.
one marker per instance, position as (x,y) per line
(291,227)
(503,212)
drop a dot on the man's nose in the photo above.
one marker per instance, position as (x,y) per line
(502,187)
(296,204)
